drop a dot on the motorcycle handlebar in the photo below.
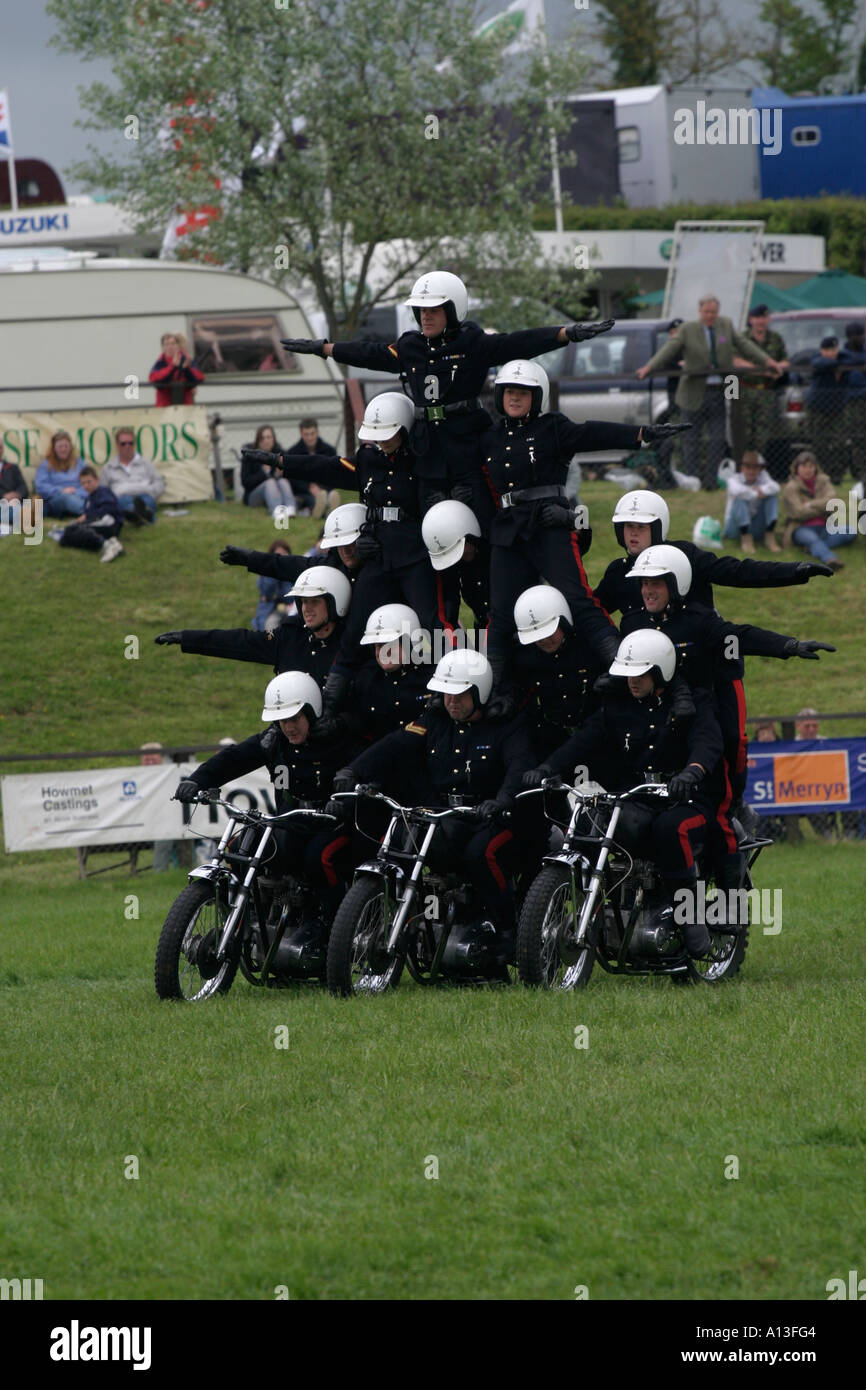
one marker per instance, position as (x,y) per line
(210,798)
(471,812)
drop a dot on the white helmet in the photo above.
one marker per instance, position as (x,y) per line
(645,507)
(645,650)
(323,581)
(343,525)
(529,375)
(664,561)
(288,694)
(389,623)
(444,530)
(537,613)
(440,287)
(385,415)
(464,669)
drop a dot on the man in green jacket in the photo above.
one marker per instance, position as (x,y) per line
(706,346)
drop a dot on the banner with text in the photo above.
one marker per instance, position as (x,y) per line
(174,438)
(827,774)
(116,806)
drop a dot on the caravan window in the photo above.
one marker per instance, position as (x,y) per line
(240,343)
(806,135)
(628,140)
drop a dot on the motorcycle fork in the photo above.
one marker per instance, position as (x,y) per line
(237,912)
(408,895)
(596,880)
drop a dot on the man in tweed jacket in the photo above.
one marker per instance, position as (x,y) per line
(707,346)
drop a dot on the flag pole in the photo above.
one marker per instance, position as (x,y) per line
(556,184)
(13,185)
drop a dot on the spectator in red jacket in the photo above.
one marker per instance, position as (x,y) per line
(173,373)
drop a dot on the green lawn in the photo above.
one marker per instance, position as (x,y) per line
(304,1167)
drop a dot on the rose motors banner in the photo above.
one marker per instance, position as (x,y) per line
(174,438)
(115,806)
(827,774)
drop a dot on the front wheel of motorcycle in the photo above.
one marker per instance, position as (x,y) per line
(186,963)
(547,953)
(358,961)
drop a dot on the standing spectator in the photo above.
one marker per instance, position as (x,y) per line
(773,826)
(826,407)
(706,346)
(807,727)
(57,478)
(13,490)
(756,417)
(855,401)
(167,854)
(98,526)
(133,479)
(263,484)
(173,373)
(752,507)
(311,498)
(806,495)
(272,609)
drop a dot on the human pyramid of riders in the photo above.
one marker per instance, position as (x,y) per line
(456,506)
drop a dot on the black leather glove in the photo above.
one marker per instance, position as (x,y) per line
(812,569)
(187,790)
(169,639)
(328,725)
(682,704)
(537,775)
(462,492)
(436,701)
(807,650)
(605,683)
(489,810)
(681,786)
(552,514)
(606,648)
(584,538)
(651,432)
(339,809)
(433,499)
(501,705)
(309,346)
(367,547)
(260,456)
(579,332)
(233,555)
(369,788)
(344,780)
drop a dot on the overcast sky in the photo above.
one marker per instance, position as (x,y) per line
(42,83)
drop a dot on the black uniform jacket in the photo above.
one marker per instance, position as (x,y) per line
(561,681)
(290,647)
(383,701)
(289,567)
(382,480)
(442,371)
(627,741)
(536,452)
(437,757)
(301,772)
(618,594)
(710,650)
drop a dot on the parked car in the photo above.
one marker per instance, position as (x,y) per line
(802,331)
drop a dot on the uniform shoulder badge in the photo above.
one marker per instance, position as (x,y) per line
(415,728)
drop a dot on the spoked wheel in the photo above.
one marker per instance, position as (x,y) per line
(186,963)
(358,962)
(547,953)
(726,953)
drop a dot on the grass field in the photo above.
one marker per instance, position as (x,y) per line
(304,1167)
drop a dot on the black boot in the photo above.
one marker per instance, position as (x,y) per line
(694,933)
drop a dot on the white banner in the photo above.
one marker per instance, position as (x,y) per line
(118,805)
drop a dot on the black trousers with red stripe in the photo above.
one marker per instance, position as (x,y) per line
(731,700)
(553,554)
(670,838)
(490,855)
(416,584)
(324,859)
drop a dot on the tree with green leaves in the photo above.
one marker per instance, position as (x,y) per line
(799,50)
(676,41)
(334,145)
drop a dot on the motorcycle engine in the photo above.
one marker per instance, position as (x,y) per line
(469,949)
(655,935)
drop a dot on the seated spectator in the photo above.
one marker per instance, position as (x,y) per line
(272,609)
(772,826)
(752,507)
(98,526)
(167,854)
(263,484)
(173,373)
(57,478)
(312,499)
(133,479)
(805,496)
(13,490)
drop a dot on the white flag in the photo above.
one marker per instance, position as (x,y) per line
(520,20)
(5,126)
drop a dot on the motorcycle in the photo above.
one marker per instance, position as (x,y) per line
(592,901)
(400,912)
(232,915)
